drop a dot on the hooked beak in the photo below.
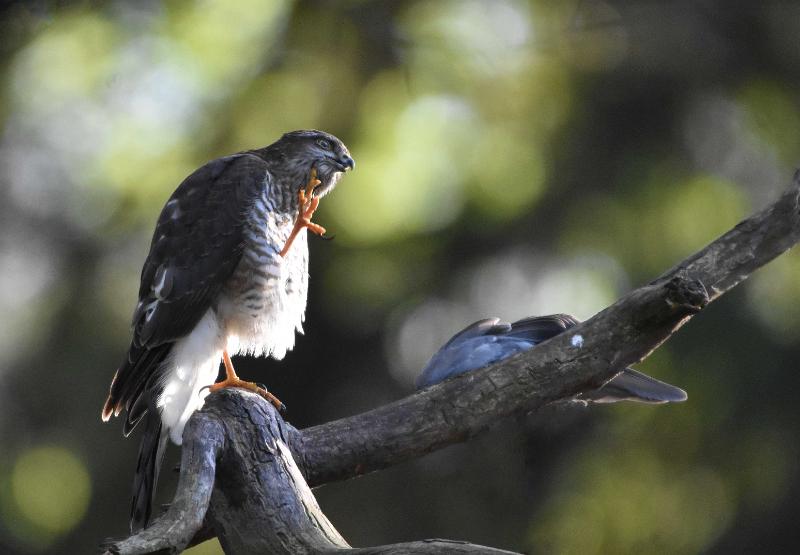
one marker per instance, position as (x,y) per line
(342,163)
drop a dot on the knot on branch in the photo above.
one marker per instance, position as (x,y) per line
(686,296)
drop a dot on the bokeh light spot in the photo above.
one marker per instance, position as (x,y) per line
(773,116)
(69,60)
(411,177)
(672,203)
(51,488)
(475,36)
(630,501)
(501,189)
(768,292)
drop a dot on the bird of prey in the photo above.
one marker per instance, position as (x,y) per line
(227,273)
(490,340)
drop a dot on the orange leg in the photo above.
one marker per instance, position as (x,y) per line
(308,205)
(232,380)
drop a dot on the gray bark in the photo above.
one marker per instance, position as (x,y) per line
(262,504)
(239,482)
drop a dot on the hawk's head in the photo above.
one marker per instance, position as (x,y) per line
(302,150)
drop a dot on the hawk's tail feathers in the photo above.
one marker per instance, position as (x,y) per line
(108,407)
(139,369)
(151,454)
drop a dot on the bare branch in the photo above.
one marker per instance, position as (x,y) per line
(621,335)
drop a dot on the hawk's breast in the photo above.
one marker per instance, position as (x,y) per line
(264,302)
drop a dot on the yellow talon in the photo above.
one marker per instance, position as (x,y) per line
(232,380)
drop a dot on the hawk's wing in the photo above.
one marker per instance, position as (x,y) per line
(196,246)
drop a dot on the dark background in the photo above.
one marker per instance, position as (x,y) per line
(513,158)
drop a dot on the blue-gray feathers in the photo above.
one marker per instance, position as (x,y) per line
(490,340)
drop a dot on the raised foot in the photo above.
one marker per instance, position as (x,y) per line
(249,386)
(308,205)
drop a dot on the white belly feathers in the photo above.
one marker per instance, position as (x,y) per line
(258,313)
(192,365)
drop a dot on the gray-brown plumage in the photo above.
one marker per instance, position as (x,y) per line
(215,282)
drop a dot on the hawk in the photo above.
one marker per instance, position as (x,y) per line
(227,273)
(490,340)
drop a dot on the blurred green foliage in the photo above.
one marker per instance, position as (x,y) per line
(49,490)
(514,158)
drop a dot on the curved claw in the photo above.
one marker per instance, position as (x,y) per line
(315,228)
(327,237)
(277,403)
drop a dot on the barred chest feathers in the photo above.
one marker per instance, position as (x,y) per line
(264,302)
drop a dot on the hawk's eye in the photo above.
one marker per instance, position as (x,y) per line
(324,143)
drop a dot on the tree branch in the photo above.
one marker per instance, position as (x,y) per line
(260,502)
(236,447)
(174,530)
(621,335)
